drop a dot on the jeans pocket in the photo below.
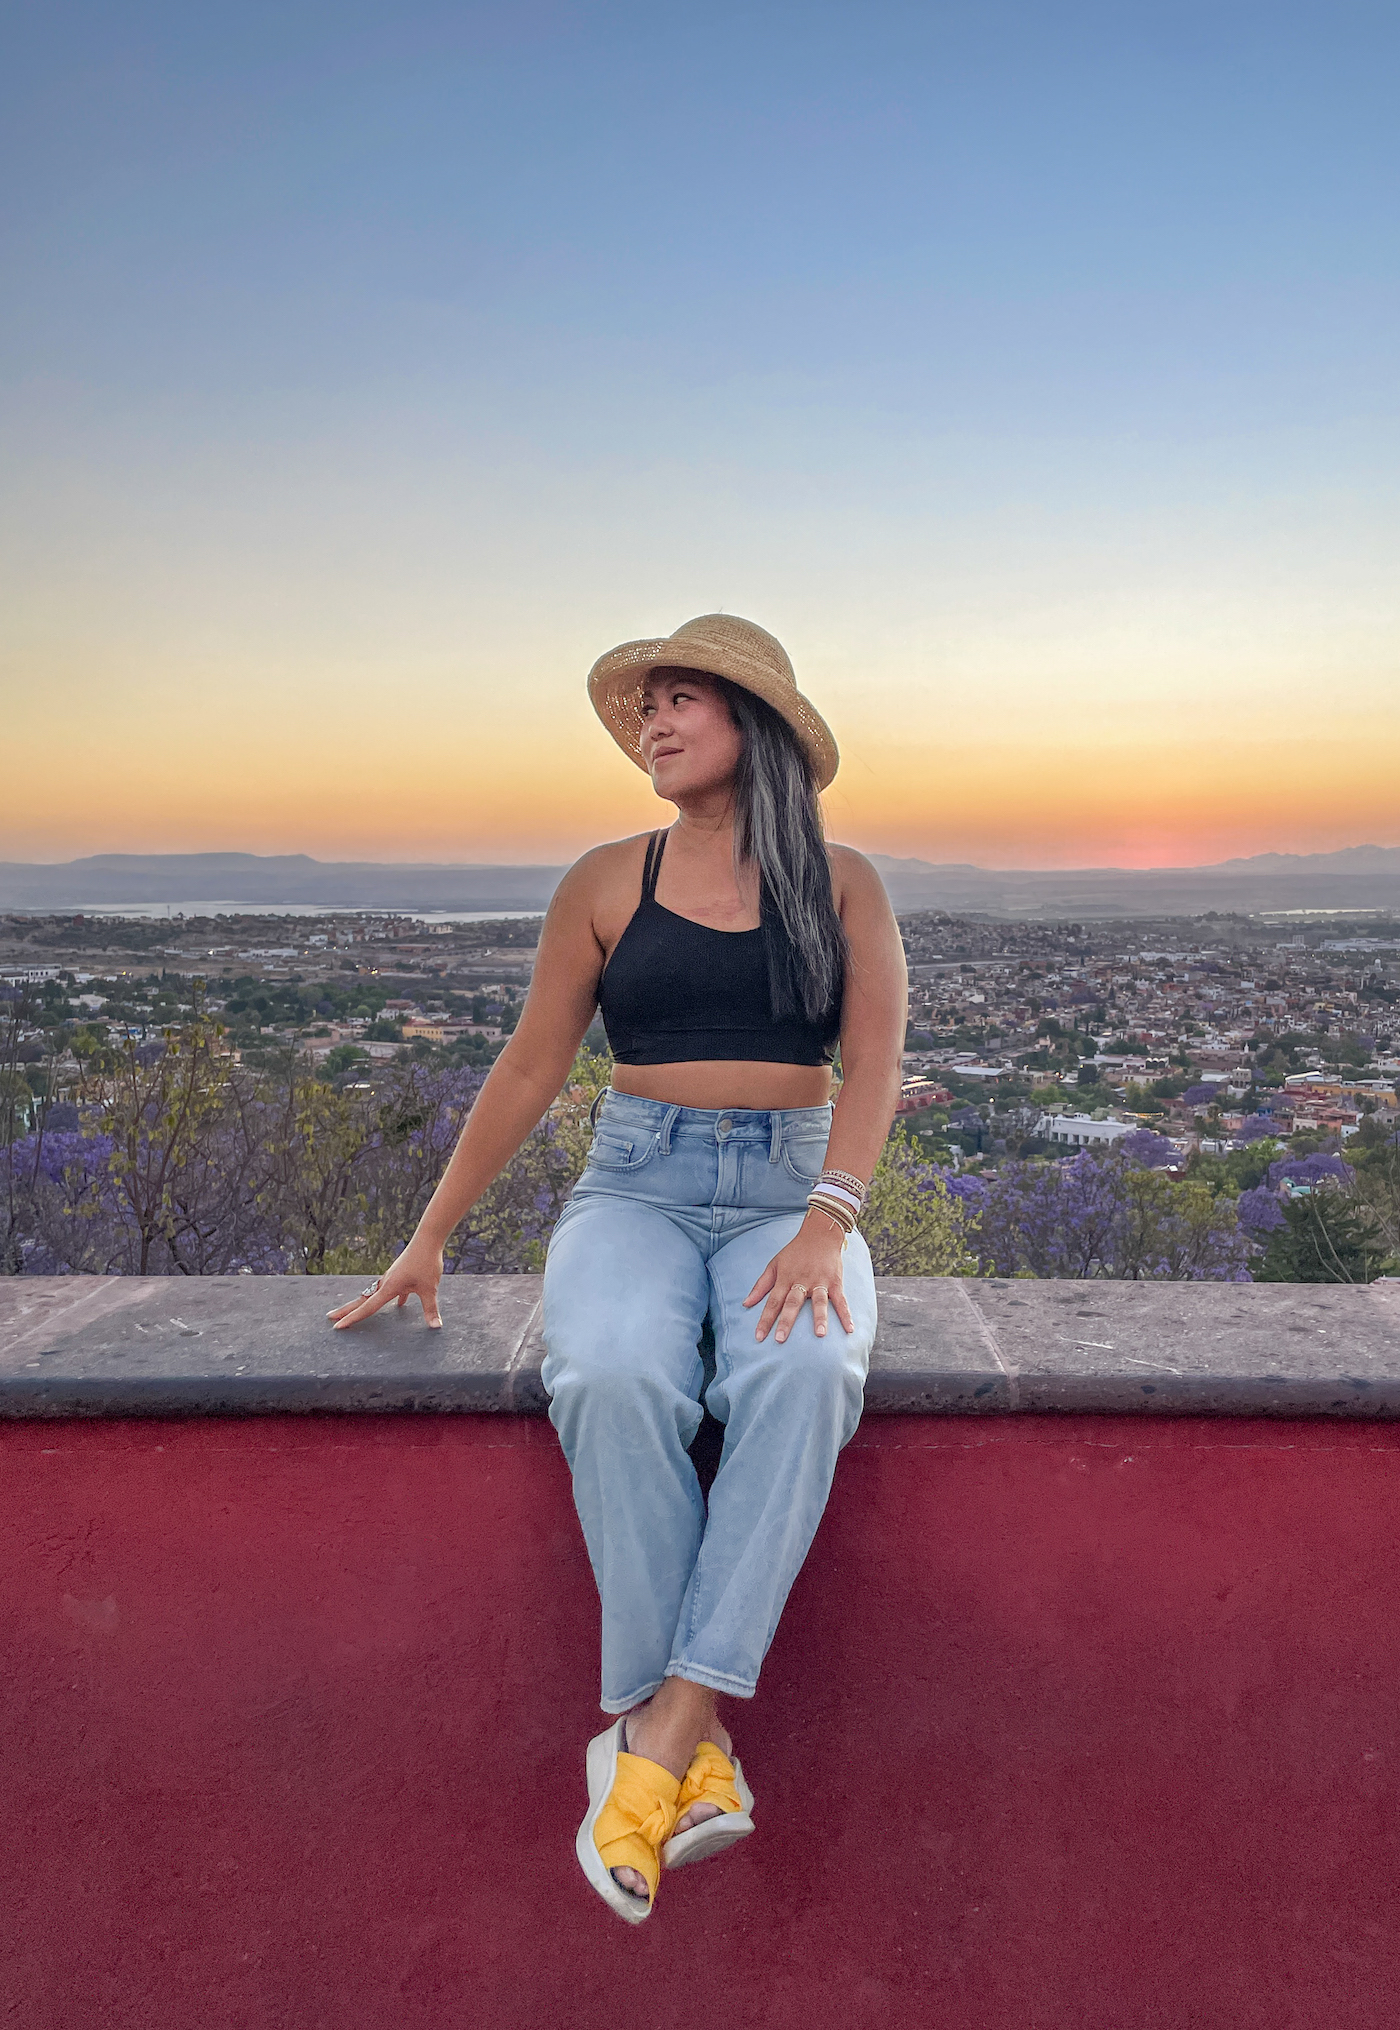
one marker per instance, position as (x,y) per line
(804,1156)
(615,1149)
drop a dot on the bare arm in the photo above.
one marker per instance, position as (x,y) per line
(529,1074)
(873,1016)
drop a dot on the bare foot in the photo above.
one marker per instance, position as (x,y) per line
(668,1729)
(698,1813)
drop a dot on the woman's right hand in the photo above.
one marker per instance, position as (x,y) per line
(415,1273)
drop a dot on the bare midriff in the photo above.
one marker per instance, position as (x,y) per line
(726,1083)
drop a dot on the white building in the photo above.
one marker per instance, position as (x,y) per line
(28,976)
(1080,1131)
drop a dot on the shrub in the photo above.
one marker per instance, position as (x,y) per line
(912,1224)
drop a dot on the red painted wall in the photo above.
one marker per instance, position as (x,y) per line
(1086,1724)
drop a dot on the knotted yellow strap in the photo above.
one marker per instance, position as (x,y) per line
(709,1780)
(638,1818)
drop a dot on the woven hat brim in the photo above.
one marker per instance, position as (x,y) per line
(616,679)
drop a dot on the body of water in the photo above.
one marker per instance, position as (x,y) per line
(173,911)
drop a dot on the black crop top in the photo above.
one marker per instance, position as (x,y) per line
(675,991)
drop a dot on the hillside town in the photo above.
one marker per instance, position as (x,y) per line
(1020,1035)
(1226,1087)
(1190,1027)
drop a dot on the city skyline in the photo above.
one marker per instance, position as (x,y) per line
(1030,375)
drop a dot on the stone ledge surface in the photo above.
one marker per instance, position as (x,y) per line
(106,1346)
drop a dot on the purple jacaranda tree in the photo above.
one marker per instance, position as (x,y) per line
(1321,1167)
(1147,1147)
(420,1116)
(508,1228)
(180,1162)
(68,1214)
(913,1225)
(1098,1214)
(1053,1219)
(215,1224)
(1259,1211)
(166,1107)
(1200,1095)
(78,1214)
(347,1173)
(186,1164)
(1254,1128)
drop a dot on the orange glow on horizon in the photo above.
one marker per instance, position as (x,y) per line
(336,795)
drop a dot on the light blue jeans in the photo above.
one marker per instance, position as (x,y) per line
(679,1211)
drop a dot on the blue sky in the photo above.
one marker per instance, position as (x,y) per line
(1030,370)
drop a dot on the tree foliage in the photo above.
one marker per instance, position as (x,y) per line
(1323,1238)
(181,1162)
(1102,1213)
(176,1160)
(912,1223)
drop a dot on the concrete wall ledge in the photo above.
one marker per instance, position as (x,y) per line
(112,1346)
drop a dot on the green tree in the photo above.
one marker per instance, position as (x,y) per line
(508,1228)
(1326,1237)
(16,1103)
(317,1141)
(911,1224)
(159,1106)
(1374,1154)
(337,1062)
(1170,1229)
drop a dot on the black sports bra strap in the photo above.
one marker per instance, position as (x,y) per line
(652,867)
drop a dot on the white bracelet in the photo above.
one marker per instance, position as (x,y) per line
(845,1236)
(841,1215)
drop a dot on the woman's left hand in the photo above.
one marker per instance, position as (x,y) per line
(808,1268)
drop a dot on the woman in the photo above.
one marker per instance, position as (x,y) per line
(728,955)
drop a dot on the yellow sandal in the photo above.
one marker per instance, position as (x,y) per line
(711,1779)
(632,1808)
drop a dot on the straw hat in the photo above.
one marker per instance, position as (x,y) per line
(720,645)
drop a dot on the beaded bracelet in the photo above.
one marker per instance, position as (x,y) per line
(848,1181)
(844,1217)
(844,1231)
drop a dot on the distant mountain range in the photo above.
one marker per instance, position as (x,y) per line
(1358,877)
(107,879)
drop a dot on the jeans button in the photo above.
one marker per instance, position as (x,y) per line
(723,1127)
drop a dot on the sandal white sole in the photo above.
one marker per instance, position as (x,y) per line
(601,1766)
(712,1836)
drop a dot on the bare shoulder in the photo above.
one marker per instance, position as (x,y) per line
(601,865)
(856,882)
(602,888)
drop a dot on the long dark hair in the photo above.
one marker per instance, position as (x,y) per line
(778,830)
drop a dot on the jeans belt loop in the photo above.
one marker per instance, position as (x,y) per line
(775,1135)
(598,1099)
(672,1116)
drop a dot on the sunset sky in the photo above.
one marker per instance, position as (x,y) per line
(1033,371)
